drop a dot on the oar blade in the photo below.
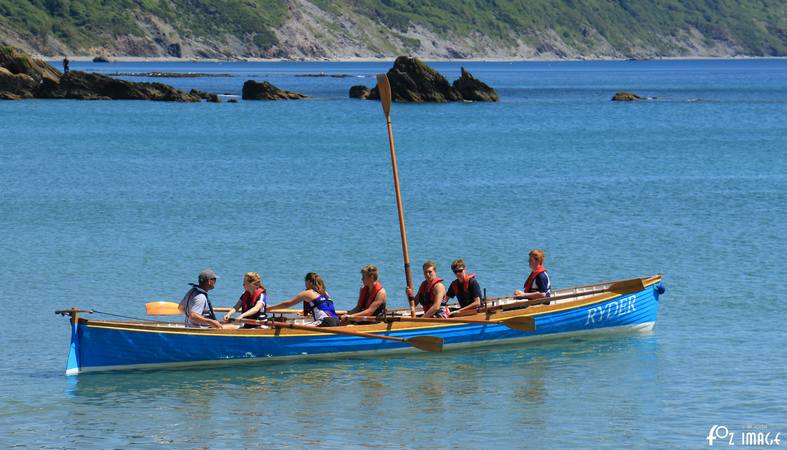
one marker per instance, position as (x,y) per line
(384,88)
(426,343)
(162,309)
(521,324)
(627,286)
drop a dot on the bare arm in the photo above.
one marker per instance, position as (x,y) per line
(438,292)
(378,300)
(472,307)
(301,296)
(528,295)
(232,311)
(254,310)
(197,318)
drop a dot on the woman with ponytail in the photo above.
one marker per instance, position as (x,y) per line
(316,302)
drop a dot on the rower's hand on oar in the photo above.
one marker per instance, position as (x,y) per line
(227,317)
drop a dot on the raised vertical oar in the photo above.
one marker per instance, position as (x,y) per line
(384,89)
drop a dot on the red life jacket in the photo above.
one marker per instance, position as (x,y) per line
(366,296)
(248,301)
(464,286)
(532,278)
(425,294)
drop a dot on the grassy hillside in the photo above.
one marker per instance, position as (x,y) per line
(758,27)
(254,27)
(89,23)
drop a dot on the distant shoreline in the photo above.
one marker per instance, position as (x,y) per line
(132,59)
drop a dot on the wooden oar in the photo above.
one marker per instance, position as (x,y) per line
(384,89)
(426,343)
(515,323)
(619,288)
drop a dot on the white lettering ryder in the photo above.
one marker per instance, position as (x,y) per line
(611,310)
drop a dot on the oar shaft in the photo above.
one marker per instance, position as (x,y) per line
(384,89)
(320,329)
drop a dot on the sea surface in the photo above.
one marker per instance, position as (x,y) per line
(111,204)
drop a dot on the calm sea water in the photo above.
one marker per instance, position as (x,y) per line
(108,205)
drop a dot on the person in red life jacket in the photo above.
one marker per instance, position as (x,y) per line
(251,303)
(371,298)
(316,302)
(465,288)
(537,284)
(431,293)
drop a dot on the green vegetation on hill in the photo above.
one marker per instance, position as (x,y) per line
(592,27)
(758,27)
(85,23)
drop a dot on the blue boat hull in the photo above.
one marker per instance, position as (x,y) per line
(108,345)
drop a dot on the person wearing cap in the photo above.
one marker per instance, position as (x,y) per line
(465,288)
(196,305)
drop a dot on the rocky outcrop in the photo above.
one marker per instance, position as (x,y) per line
(624,96)
(253,90)
(413,81)
(18,62)
(207,96)
(360,91)
(24,77)
(15,86)
(91,86)
(471,88)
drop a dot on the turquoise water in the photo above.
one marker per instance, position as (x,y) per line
(108,205)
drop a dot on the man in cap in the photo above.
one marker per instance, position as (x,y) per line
(195,304)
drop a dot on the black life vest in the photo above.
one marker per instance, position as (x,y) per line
(206,313)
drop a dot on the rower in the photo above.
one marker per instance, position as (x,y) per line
(371,298)
(465,288)
(196,306)
(316,302)
(431,293)
(251,303)
(537,284)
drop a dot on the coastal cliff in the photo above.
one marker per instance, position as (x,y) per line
(428,29)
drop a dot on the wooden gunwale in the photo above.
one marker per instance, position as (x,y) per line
(534,310)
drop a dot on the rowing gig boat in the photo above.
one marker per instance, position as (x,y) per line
(611,307)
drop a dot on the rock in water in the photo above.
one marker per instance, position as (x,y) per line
(360,91)
(474,89)
(624,96)
(413,81)
(91,86)
(266,91)
(24,77)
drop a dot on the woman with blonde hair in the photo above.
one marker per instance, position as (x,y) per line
(252,304)
(316,302)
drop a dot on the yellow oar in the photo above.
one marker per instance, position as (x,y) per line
(162,309)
